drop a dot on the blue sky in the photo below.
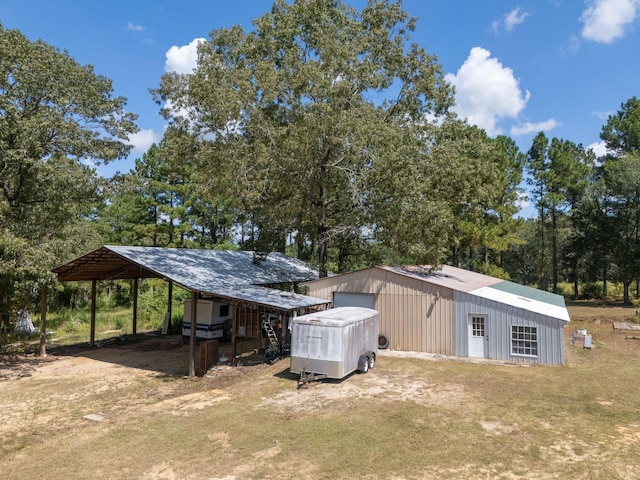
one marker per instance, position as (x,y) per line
(519,67)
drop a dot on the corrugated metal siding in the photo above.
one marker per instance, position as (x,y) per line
(500,318)
(410,315)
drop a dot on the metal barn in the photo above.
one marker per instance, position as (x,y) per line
(452,311)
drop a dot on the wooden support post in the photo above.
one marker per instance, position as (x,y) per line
(234,326)
(170,306)
(135,306)
(92,336)
(192,337)
(43,321)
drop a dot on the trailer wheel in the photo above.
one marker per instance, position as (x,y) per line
(363,364)
(383,342)
(372,361)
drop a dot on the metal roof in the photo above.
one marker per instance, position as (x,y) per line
(445,276)
(491,288)
(526,303)
(230,274)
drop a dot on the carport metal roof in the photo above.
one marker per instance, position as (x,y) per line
(222,273)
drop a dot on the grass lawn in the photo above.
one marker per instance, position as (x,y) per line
(408,418)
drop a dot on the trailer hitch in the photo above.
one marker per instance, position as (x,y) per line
(306,378)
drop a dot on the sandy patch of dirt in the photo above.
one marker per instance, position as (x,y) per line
(388,388)
(183,404)
(60,390)
(163,471)
(498,428)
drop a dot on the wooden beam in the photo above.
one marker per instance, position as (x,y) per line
(92,336)
(43,321)
(192,337)
(135,306)
(234,326)
(169,306)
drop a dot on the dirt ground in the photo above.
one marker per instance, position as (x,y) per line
(77,386)
(101,380)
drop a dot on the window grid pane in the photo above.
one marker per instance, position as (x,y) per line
(477,326)
(524,340)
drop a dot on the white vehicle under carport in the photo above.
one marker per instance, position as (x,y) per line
(213,320)
(333,343)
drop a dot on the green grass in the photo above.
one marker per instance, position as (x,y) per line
(72,326)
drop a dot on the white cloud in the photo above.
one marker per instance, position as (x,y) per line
(143,139)
(509,20)
(599,148)
(606,20)
(513,18)
(529,127)
(91,163)
(175,111)
(486,91)
(135,28)
(523,201)
(604,116)
(183,59)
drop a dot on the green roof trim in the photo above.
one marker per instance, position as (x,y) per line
(530,293)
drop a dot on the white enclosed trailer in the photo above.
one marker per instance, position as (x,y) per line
(213,320)
(333,343)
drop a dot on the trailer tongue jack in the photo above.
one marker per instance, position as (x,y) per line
(306,378)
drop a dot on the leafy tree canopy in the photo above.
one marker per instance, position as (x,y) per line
(54,113)
(307,110)
(621,133)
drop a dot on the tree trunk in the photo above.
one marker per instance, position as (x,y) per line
(542,283)
(343,256)
(554,250)
(43,322)
(322,251)
(323,237)
(455,256)
(4,320)
(626,299)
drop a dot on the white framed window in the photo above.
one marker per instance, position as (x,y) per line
(524,340)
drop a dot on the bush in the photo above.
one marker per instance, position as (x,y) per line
(591,291)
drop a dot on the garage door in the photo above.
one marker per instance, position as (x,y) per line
(343,299)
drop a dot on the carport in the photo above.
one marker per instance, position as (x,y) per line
(245,279)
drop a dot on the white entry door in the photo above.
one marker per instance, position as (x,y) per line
(478,336)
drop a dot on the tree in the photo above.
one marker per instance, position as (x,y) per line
(144,205)
(622,178)
(537,167)
(307,111)
(569,168)
(612,208)
(621,133)
(54,113)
